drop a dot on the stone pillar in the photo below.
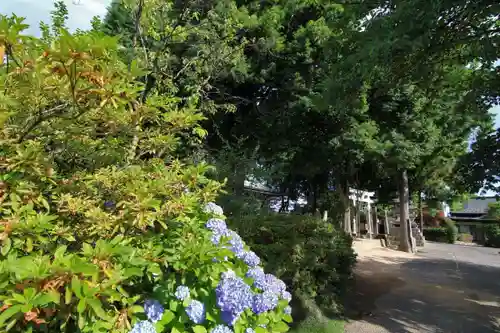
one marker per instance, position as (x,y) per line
(369,221)
(386,223)
(375,221)
(354,219)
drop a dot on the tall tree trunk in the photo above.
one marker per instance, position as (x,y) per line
(404,194)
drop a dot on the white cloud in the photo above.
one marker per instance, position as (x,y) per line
(80,11)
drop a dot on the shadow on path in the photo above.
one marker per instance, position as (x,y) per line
(424,295)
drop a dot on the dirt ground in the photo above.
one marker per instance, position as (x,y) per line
(437,290)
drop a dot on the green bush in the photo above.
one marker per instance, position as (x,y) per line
(464,237)
(311,256)
(437,234)
(448,233)
(492,235)
(98,232)
(451,230)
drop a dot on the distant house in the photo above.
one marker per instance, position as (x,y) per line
(474,217)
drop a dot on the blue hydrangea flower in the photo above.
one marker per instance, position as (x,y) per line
(286,296)
(233,295)
(229,318)
(249,330)
(153,309)
(251,259)
(287,310)
(255,273)
(236,243)
(196,312)
(264,302)
(213,208)
(271,283)
(216,225)
(143,326)
(109,204)
(181,293)
(221,329)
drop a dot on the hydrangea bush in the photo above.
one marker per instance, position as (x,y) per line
(101,230)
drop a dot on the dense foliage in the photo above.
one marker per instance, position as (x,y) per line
(448,232)
(492,235)
(310,255)
(101,228)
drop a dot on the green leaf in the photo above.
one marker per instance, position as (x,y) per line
(8,313)
(60,251)
(173,305)
(7,244)
(288,318)
(167,317)
(199,329)
(81,306)
(76,286)
(19,298)
(260,330)
(96,305)
(280,327)
(68,295)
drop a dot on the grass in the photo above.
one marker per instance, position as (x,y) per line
(312,324)
(310,318)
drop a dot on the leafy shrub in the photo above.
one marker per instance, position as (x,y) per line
(492,235)
(311,256)
(465,237)
(437,234)
(98,233)
(446,234)
(451,230)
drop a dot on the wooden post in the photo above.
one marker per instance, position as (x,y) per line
(375,221)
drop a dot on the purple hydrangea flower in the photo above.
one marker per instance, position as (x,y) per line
(233,295)
(143,326)
(251,259)
(216,225)
(249,330)
(255,273)
(181,293)
(286,296)
(196,312)
(287,310)
(153,309)
(213,208)
(229,318)
(264,302)
(221,329)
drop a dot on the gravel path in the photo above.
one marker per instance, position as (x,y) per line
(444,288)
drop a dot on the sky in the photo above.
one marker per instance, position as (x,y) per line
(80,11)
(80,15)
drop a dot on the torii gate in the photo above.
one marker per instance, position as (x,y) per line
(358,197)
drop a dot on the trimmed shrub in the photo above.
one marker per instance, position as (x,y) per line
(492,235)
(437,234)
(311,256)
